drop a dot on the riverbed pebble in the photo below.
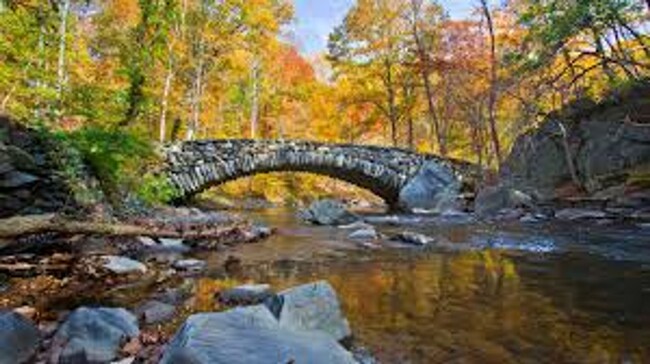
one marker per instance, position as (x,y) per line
(364,234)
(153,312)
(190,265)
(123,265)
(413,238)
(246,294)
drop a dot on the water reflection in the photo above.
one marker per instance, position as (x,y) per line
(487,307)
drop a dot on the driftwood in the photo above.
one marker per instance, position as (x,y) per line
(20,226)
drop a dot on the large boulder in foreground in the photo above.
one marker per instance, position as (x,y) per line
(434,188)
(310,307)
(249,335)
(19,338)
(94,335)
(327,212)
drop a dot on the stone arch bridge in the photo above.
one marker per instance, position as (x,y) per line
(404,179)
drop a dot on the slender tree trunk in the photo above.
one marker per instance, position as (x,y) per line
(63,31)
(568,155)
(38,112)
(425,71)
(392,108)
(409,99)
(197,94)
(255,98)
(493,87)
(164,104)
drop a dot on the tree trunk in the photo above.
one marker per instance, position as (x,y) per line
(568,155)
(493,87)
(392,108)
(63,31)
(255,98)
(19,226)
(165,99)
(197,94)
(425,71)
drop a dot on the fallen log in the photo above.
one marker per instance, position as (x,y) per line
(20,226)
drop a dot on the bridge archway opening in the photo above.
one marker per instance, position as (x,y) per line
(291,188)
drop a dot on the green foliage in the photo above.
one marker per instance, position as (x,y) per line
(119,160)
(156,189)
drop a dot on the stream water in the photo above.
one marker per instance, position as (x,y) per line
(543,293)
(509,293)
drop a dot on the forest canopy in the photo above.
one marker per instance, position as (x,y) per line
(396,72)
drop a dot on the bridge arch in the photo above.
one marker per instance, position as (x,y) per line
(195,166)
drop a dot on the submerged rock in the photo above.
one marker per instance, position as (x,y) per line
(579,214)
(19,338)
(327,212)
(493,199)
(310,307)
(249,335)
(123,265)
(364,234)
(356,225)
(190,265)
(246,294)
(412,238)
(93,335)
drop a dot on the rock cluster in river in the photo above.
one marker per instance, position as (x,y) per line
(303,324)
(327,212)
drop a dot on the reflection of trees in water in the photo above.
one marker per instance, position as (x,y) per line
(470,307)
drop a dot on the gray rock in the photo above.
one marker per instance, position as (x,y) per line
(327,212)
(153,312)
(123,265)
(531,218)
(356,225)
(147,241)
(15,179)
(412,238)
(21,159)
(257,232)
(249,335)
(171,243)
(94,335)
(604,140)
(246,294)
(434,188)
(191,265)
(491,200)
(19,338)
(310,307)
(579,214)
(364,234)
(5,166)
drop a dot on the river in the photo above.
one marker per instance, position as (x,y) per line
(485,293)
(507,294)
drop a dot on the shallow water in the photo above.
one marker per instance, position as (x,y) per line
(507,294)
